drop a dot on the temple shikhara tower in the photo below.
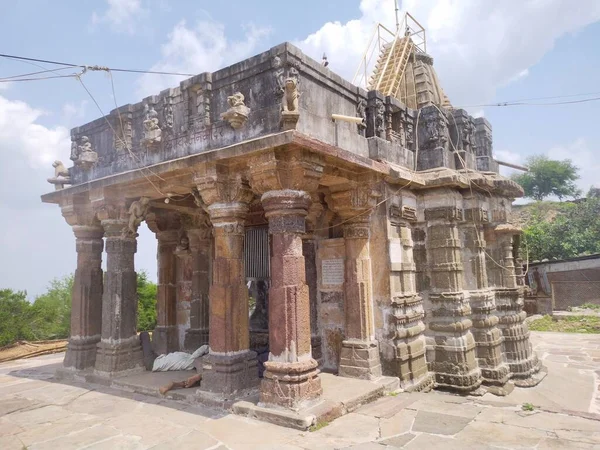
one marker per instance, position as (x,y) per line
(328,227)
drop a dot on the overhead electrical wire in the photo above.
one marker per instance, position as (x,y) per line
(93,67)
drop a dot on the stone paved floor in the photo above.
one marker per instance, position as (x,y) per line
(38,413)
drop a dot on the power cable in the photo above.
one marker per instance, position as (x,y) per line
(94,67)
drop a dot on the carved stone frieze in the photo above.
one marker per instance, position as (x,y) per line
(357,230)
(444,213)
(287,224)
(478,215)
(404,212)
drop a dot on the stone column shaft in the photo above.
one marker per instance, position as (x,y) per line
(119,348)
(359,357)
(230,366)
(522,360)
(454,361)
(291,374)
(409,341)
(488,337)
(165,338)
(200,247)
(86,298)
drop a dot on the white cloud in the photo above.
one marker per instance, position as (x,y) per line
(21,135)
(121,15)
(37,245)
(477,46)
(193,50)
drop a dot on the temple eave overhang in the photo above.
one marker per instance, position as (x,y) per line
(181,170)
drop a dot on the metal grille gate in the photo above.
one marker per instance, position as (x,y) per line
(256,252)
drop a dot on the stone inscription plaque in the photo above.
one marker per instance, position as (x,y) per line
(395,252)
(332,272)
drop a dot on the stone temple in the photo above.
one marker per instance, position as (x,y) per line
(368,229)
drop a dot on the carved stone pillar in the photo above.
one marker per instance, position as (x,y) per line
(454,363)
(291,374)
(86,296)
(407,305)
(286,180)
(230,365)
(359,357)
(119,349)
(488,337)
(522,360)
(165,225)
(200,247)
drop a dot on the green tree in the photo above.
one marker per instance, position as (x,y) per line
(52,310)
(574,231)
(15,317)
(147,291)
(548,177)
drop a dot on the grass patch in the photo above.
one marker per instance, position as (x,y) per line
(572,324)
(528,407)
(591,306)
(393,393)
(318,426)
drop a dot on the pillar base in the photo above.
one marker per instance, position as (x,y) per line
(360,359)
(165,339)
(81,352)
(290,385)
(115,357)
(228,374)
(195,338)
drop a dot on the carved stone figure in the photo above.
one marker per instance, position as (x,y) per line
(379,119)
(290,98)
(137,213)
(61,176)
(82,153)
(237,114)
(168,111)
(184,245)
(279,75)
(74,151)
(152,132)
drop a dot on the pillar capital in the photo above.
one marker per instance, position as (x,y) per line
(286,210)
(221,185)
(355,201)
(286,169)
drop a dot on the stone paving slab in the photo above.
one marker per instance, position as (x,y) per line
(42,413)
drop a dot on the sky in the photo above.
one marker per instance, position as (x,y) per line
(484,51)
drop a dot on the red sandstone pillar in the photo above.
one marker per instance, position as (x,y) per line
(166,226)
(359,357)
(291,374)
(86,298)
(230,366)
(119,349)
